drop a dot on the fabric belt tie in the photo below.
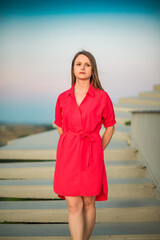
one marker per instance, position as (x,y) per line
(87,154)
(86,151)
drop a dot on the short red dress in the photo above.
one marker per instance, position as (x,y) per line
(80,168)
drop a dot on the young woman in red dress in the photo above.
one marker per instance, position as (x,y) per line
(80,174)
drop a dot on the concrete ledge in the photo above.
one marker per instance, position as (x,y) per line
(145,131)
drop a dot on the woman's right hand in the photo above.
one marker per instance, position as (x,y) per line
(60,131)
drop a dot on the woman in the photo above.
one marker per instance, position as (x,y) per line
(80,175)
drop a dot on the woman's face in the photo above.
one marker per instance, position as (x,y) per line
(82,67)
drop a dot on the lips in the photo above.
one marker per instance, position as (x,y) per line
(82,72)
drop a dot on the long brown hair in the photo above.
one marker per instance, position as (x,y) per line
(94,77)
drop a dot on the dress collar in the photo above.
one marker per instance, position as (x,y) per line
(90,91)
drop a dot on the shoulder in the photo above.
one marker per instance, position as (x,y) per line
(102,94)
(63,94)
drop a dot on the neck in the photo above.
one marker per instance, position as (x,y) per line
(82,85)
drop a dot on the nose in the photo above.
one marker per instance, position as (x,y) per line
(83,67)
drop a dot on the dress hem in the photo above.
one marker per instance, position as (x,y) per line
(101,196)
(104,198)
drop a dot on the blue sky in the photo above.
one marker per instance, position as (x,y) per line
(40,38)
(35,8)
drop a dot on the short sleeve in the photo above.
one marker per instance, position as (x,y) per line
(108,115)
(58,113)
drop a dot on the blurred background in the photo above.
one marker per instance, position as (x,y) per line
(40,38)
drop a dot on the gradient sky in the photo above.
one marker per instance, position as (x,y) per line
(40,38)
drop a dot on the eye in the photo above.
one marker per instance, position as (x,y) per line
(88,65)
(78,64)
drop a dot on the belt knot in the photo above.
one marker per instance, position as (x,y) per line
(83,135)
(87,150)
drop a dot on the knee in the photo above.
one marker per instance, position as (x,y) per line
(75,206)
(89,203)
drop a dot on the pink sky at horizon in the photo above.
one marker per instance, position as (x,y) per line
(37,54)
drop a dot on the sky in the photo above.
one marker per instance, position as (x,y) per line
(40,38)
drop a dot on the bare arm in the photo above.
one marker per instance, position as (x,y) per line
(107,136)
(60,130)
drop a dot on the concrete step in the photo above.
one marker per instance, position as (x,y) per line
(36,182)
(122,117)
(144,210)
(42,146)
(43,189)
(126,153)
(62,204)
(101,231)
(156,87)
(140,101)
(41,164)
(47,172)
(46,142)
(104,237)
(123,128)
(126,107)
(151,94)
(123,152)
(122,133)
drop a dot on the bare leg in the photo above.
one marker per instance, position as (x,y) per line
(75,217)
(89,216)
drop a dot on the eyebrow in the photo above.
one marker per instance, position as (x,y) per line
(80,62)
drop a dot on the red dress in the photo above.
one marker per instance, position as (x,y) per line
(80,168)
